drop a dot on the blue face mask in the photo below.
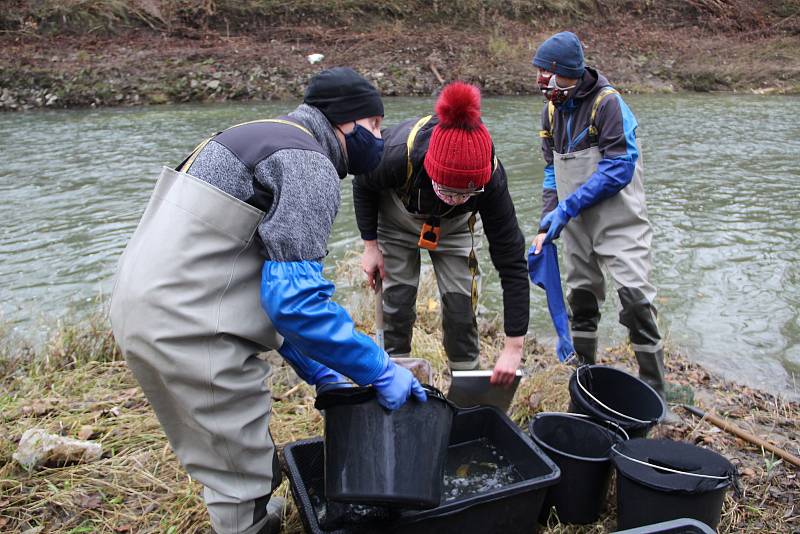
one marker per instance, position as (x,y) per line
(364,150)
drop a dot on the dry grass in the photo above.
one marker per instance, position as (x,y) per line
(78,384)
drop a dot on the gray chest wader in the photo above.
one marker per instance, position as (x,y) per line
(186,314)
(455,264)
(615,234)
(457,275)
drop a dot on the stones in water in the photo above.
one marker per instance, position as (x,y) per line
(477,467)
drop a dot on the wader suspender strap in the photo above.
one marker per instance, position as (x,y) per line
(187,163)
(473,264)
(551,111)
(412,135)
(598,99)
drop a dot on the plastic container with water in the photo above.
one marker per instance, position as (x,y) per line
(495,480)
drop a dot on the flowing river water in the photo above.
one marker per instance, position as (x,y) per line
(722,174)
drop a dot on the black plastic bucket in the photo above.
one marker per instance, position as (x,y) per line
(381,457)
(608,394)
(582,450)
(662,480)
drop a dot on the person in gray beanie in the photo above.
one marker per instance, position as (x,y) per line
(226,263)
(593,197)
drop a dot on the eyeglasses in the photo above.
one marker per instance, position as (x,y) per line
(444,190)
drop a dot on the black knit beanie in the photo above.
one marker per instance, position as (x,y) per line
(343,95)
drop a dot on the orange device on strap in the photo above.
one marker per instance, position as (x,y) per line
(429,235)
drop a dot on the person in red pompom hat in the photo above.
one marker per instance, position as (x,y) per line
(438,186)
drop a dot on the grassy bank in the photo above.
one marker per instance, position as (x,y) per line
(77,385)
(70,53)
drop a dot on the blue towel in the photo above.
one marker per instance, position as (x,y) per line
(543,270)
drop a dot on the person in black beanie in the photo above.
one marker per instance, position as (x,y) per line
(226,263)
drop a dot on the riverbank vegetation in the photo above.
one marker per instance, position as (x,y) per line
(65,53)
(77,385)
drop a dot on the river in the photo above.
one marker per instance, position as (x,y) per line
(721,173)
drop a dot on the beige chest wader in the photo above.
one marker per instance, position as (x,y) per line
(615,234)
(186,314)
(455,265)
(457,275)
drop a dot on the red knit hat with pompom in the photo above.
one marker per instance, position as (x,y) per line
(460,151)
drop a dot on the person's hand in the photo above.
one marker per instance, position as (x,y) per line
(538,241)
(505,369)
(372,261)
(395,384)
(555,221)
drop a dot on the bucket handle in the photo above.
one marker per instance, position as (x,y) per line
(584,416)
(662,468)
(432,391)
(595,399)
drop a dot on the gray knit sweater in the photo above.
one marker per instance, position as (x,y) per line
(304,186)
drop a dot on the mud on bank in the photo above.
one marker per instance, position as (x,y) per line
(109,53)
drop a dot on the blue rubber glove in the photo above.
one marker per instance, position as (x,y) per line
(298,300)
(395,384)
(555,221)
(543,271)
(312,372)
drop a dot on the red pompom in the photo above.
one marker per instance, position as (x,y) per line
(459,106)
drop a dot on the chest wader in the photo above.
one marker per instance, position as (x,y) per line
(456,268)
(186,314)
(615,234)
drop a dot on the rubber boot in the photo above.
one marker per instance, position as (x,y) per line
(651,370)
(586,349)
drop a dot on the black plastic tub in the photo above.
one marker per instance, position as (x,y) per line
(662,480)
(393,458)
(582,451)
(608,394)
(511,508)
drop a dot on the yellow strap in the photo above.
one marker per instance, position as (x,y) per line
(202,145)
(472,262)
(279,121)
(412,135)
(598,99)
(551,111)
(194,154)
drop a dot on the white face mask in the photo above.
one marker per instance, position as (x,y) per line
(555,93)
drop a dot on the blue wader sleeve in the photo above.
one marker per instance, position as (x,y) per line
(311,371)
(543,271)
(298,301)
